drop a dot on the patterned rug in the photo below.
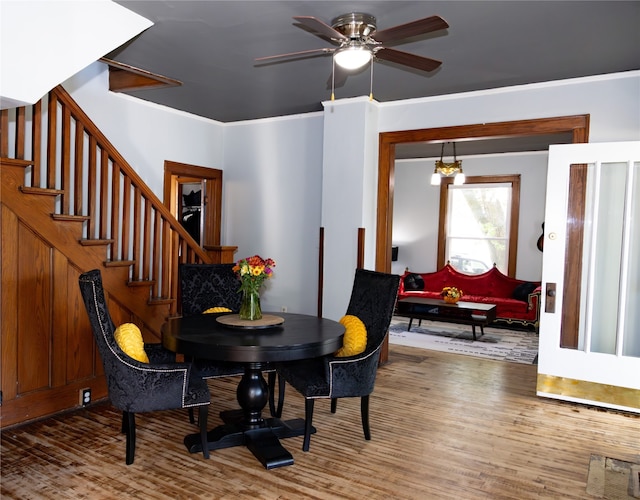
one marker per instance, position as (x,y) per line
(496,343)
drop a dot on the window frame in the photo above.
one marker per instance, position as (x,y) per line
(514,180)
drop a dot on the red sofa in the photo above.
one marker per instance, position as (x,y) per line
(517,301)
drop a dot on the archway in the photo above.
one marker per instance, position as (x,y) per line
(577,125)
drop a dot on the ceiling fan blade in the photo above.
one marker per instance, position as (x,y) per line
(320,27)
(414,28)
(294,54)
(406,59)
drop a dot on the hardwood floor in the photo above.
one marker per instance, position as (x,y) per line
(444,426)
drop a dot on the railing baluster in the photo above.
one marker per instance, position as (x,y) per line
(92,182)
(4,133)
(78,160)
(20,133)
(155,250)
(36,143)
(65,161)
(52,134)
(115,211)
(126,219)
(137,218)
(166,258)
(78,174)
(146,246)
(175,253)
(104,195)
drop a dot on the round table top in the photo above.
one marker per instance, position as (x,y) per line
(299,337)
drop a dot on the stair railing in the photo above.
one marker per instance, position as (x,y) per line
(96,185)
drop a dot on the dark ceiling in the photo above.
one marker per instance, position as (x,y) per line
(210,46)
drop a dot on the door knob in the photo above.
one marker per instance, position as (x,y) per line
(550,299)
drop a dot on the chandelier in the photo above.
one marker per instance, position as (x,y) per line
(448,169)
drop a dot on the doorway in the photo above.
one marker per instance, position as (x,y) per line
(193,195)
(577,125)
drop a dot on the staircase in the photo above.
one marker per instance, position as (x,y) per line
(70,203)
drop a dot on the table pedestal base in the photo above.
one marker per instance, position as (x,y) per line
(247,427)
(263,441)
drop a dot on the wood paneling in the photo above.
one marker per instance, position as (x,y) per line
(61,331)
(34,311)
(9,304)
(443,426)
(80,346)
(84,208)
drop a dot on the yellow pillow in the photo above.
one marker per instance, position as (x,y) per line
(217,310)
(355,337)
(129,338)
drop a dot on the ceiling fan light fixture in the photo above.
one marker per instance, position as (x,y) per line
(352,57)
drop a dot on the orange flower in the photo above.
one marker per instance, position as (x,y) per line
(252,271)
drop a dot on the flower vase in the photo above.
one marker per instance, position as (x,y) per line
(451,300)
(250,306)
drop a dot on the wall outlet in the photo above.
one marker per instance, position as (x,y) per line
(284,309)
(85,396)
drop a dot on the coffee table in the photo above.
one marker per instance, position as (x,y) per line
(465,313)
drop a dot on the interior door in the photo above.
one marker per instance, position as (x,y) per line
(590,319)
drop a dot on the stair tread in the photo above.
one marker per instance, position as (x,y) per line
(118,263)
(70,217)
(160,301)
(95,242)
(141,283)
(41,191)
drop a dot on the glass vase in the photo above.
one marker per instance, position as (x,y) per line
(250,306)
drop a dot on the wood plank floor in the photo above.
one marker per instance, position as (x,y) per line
(444,426)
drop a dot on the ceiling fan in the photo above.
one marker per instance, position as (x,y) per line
(358,42)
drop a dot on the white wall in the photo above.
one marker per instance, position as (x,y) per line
(146,134)
(272,203)
(273,194)
(348,199)
(416,208)
(612,101)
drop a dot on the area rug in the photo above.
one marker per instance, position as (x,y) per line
(613,479)
(496,343)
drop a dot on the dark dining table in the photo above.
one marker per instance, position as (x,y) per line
(296,337)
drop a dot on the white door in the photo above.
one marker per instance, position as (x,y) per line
(590,313)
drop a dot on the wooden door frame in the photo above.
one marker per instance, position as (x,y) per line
(577,125)
(176,173)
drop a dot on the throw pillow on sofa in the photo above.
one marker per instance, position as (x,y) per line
(414,282)
(522,291)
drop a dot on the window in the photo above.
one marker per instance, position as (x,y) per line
(479,224)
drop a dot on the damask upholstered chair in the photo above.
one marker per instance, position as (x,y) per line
(372,300)
(206,286)
(137,386)
(212,286)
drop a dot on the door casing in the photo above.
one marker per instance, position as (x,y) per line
(577,125)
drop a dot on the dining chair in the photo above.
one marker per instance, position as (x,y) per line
(373,298)
(136,386)
(207,286)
